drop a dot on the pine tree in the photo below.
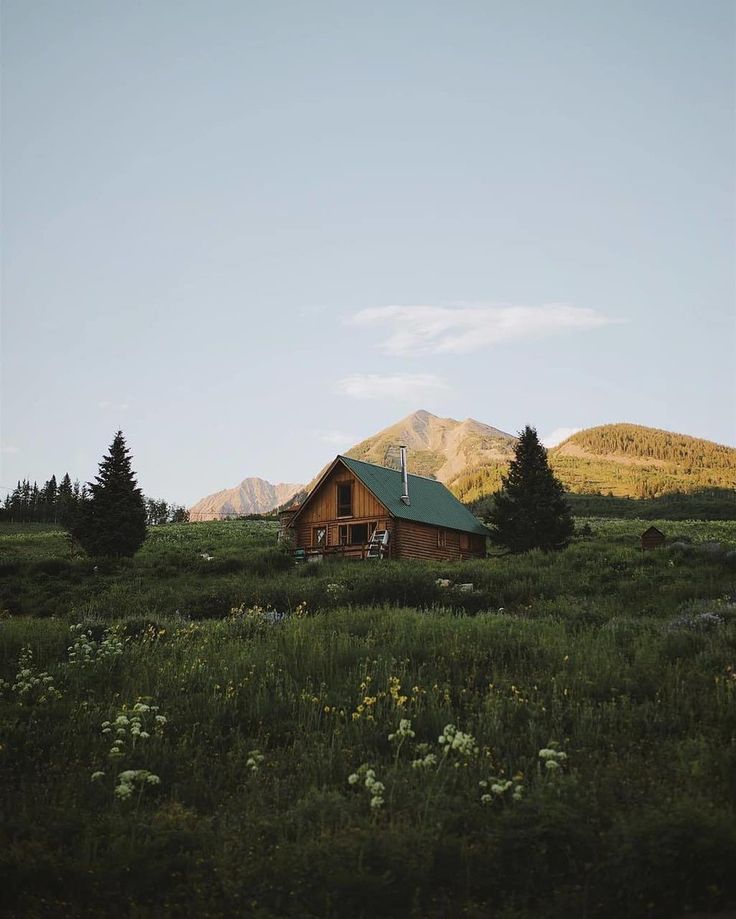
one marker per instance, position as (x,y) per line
(25,502)
(35,506)
(112,521)
(49,496)
(530,511)
(16,504)
(65,501)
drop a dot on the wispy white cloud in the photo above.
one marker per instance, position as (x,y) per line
(460,330)
(558,435)
(337,438)
(10,449)
(399,386)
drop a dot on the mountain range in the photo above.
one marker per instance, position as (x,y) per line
(470,457)
(252,496)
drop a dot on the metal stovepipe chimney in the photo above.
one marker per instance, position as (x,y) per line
(404,477)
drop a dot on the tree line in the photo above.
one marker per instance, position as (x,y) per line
(51,503)
(59,502)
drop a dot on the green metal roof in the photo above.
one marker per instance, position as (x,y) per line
(430,501)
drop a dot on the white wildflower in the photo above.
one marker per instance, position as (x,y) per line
(552,758)
(372,785)
(404,730)
(458,741)
(255,758)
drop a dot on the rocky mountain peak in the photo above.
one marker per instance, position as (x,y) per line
(251,496)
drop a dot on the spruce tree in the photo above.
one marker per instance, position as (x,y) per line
(112,520)
(530,511)
(65,501)
(49,496)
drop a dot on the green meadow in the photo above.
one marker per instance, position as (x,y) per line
(207,729)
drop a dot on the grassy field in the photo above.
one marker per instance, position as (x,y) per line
(556,742)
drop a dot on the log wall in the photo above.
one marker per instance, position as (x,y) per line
(420,540)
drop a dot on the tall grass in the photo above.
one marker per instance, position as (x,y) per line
(622,662)
(644,712)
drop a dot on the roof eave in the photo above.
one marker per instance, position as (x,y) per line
(308,499)
(338,459)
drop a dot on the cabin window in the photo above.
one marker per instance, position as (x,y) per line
(358,534)
(464,542)
(441,538)
(345,499)
(342,534)
(319,536)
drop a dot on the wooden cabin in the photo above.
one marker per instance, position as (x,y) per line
(652,538)
(360,510)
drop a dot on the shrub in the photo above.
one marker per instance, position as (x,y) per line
(269,561)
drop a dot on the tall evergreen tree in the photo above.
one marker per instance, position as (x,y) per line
(65,501)
(50,490)
(16,504)
(25,501)
(530,511)
(49,496)
(35,506)
(112,521)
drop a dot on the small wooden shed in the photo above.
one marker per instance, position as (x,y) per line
(652,539)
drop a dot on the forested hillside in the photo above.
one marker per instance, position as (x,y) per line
(623,460)
(633,440)
(640,462)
